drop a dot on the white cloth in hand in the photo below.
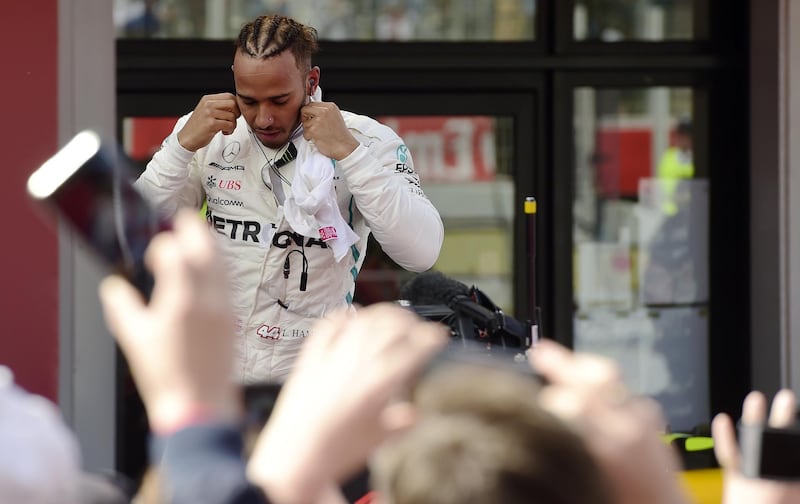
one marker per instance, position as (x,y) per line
(311,208)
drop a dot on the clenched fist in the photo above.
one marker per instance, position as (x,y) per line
(324,125)
(213,113)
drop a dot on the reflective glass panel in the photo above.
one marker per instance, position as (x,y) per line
(464,164)
(397,20)
(634,20)
(641,244)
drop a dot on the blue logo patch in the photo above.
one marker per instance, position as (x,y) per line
(402,153)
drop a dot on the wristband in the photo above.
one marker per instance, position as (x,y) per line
(196,414)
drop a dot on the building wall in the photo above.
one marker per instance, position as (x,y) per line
(87,357)
(775,194)
(791,106)
(29,255)
(59,78)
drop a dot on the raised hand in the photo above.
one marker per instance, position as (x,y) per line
(341,400)
(213,113)
(179,346)
(323,124)
(621,430)
(737,487)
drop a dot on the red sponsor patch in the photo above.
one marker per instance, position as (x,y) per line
(327,233)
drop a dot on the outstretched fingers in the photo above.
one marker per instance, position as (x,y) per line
(784,406)
(725,448)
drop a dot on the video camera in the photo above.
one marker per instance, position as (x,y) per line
(475,321)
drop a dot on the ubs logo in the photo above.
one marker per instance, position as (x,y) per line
(230,151)
(232,185)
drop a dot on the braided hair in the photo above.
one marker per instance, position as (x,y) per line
(270,35)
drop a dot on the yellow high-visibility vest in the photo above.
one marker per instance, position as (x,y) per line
(673,167)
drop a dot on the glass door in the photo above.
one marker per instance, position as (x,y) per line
(641,250)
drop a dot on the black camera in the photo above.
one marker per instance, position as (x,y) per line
(475,321)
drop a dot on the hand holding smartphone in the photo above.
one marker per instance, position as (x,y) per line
(89,183)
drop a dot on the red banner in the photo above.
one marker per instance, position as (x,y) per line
(449,148)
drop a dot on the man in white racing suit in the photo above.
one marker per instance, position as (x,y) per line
(237,154)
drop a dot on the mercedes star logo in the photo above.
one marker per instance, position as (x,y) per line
(231,151)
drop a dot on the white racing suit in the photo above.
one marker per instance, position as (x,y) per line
(377,191)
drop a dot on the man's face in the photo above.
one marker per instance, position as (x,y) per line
(270,93)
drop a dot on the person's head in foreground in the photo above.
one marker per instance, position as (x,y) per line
(482,438)
(40,461)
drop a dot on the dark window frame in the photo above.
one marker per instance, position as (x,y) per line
(704,38)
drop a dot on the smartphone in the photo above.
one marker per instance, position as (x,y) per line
(769,452)
(89,183)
